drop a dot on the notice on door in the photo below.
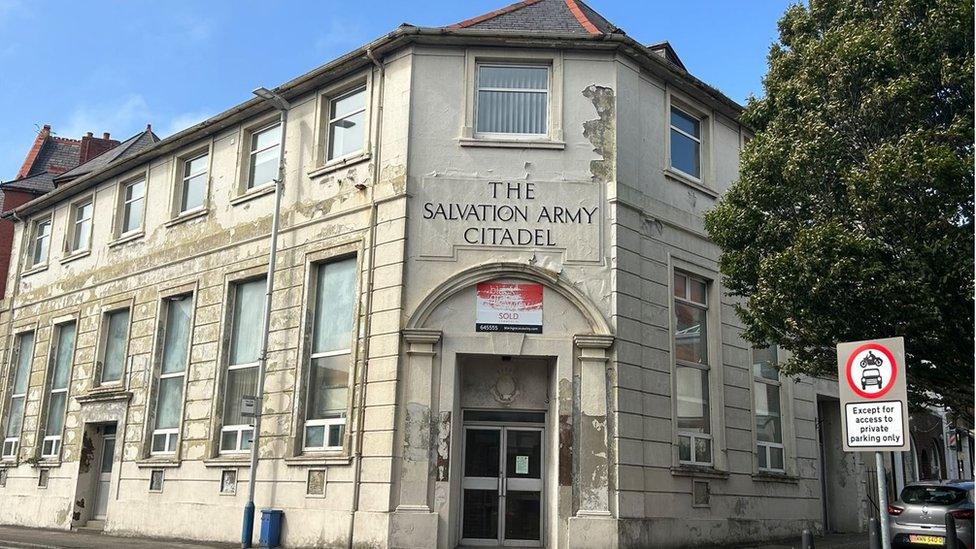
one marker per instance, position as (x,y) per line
(521,465)
(509,307)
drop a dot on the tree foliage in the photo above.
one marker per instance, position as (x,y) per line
(853,215)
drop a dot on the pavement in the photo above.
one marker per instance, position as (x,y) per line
(13,537)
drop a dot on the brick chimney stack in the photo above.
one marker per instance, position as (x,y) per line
(93,146)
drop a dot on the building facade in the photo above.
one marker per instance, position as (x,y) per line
(496,316)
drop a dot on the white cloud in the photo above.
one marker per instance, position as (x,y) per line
(122,118)
(181,122)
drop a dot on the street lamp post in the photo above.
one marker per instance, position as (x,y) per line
(247,529)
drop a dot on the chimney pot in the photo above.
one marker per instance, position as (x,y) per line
(105,135)
(47,126)
(89,134)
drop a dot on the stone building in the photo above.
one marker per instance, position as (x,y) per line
(496,316)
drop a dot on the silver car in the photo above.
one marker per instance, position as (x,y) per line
(917,518)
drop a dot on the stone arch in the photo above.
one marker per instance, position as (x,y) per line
(492,270)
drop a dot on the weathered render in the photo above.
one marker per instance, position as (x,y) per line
(596,216)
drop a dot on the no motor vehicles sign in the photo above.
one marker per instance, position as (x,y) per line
(873,398)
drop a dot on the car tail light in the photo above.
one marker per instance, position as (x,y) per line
(894,511)
(962,514)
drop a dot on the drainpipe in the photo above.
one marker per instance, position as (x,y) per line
(247,529)
(367,328)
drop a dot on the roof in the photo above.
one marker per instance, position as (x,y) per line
(665,50)
(552,28)
(569,16)
(131,146)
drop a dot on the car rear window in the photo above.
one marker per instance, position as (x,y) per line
(933,495)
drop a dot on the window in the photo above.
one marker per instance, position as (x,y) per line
(172,370)
(692,369)
(228,481)
(193,182)
(23,355)
(263,156)
(242,367)
(685,142)
(43,476)
(115,327)
(60,375)
(512,100)
(133,205)
(331,354)
(3,477)
(41,241)
(81,225)
(156,480)
(769,418)
(347,124)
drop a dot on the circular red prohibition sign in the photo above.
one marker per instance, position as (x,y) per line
(891,360)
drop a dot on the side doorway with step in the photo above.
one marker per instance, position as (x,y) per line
(95,476)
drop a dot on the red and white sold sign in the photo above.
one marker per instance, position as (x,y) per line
(873,397)
(509,307)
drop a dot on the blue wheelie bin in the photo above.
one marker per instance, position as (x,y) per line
(271,527)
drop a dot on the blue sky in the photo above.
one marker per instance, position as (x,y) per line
(116,65)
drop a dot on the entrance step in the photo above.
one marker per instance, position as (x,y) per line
(93,526)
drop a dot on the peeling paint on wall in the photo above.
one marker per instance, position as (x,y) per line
(443,446)
(565,450)
(602,132)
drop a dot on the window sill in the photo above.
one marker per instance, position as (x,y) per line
(338,164)
(103,394)
(772,476)
(48,463)
(238,460)
(495,142)
(34,270)
(126,238)
(75,255)
(9,463)
(698,471)
(690,181)
(187,216)
(168,462)
(251,194)
(318,460)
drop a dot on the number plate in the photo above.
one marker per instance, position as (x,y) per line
(926,540)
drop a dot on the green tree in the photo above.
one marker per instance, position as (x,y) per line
(853,215)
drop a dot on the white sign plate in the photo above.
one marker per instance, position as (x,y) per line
(873,395)
(509,307)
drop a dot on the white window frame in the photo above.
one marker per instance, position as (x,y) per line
(239,428)
(326,423)
(124,204)
(36,237)
(762,446)
(231,288)
(249,183)
(51,443)
(697,139)
(73,233)
(183,178)
(171,434)
(360,88)
(548,91)
(709,371)
(11,443)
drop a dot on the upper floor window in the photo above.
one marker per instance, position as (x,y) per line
(59,376)
(133,205)
(41,241)
(114,343)
(81,226)
(242,364)
(692,369)
(512,100)
(265,148)
(331,354)
(193,182)
(769,416)
(686,140)
(347,124)
(21,361)
(178,312)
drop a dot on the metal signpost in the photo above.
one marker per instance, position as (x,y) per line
(874,406)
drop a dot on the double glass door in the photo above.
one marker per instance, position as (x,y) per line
(502,489)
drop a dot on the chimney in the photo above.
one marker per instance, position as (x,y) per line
(93,146)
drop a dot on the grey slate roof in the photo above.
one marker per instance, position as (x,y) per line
(129,147)
(38,183)
(57,155)
(543,16)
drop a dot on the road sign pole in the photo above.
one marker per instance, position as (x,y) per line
(882,501)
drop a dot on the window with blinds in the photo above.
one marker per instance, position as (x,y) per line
(512,100)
